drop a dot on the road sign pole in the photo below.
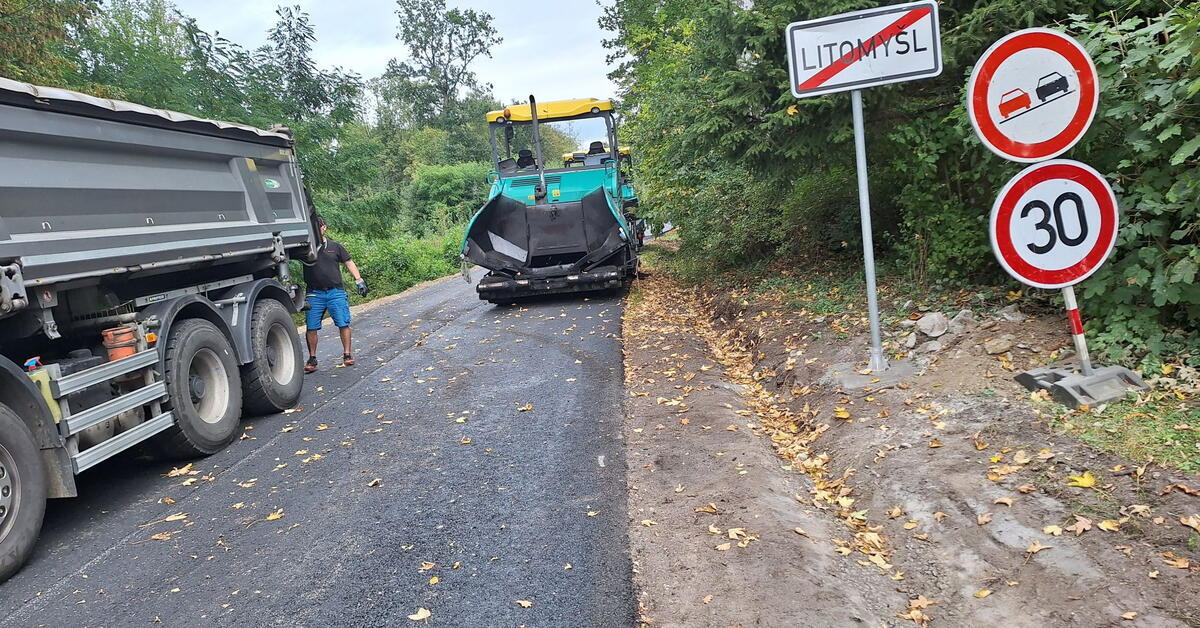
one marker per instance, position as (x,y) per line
(864,208)
(1085,360)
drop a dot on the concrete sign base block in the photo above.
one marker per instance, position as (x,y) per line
(1106,383)
(847,376)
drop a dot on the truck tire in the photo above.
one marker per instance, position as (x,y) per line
(22,492)
(204,391)
(274,380)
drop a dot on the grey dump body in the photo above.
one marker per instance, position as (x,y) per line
(90,192)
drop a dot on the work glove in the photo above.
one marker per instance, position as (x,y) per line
(362,287)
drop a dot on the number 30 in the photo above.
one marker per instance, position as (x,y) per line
(1058,231)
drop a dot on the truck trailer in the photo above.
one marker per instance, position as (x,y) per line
(145,296)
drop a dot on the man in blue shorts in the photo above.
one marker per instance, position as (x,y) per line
(325,293)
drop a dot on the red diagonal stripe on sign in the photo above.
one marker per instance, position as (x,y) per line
(846,60)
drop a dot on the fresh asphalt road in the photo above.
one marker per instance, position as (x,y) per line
(497,503)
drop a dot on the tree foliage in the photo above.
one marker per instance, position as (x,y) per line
(442,43)
(32,37)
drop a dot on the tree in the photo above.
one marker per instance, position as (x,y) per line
(32,33)
(441,44)
(136,50)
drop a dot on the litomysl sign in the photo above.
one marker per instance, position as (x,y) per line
(864,49)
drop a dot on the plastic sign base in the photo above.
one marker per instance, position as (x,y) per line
(1106,383)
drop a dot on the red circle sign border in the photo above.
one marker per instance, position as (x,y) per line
(1006,203)
(1004,48)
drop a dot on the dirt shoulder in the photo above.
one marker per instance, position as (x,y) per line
(762,495)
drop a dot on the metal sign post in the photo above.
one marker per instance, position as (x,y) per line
(852,51)
(1085,360)
(864,210)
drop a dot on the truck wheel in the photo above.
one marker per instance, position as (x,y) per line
(204,390)
(22,492)
(274,380)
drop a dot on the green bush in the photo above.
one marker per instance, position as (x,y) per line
(396,263)
(441,196)
(1147,138)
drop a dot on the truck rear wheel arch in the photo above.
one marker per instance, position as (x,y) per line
(171,312)
(241,334)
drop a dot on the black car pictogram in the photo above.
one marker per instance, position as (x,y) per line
(1051,84)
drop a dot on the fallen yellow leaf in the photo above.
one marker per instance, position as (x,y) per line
(1087,480)
(1036,547)
(1108,525)
(1081,525)
(982,593)
(421,615)
(524,603)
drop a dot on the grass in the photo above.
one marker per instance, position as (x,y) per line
(1142,429)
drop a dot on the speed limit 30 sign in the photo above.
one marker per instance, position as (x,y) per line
(1054,224)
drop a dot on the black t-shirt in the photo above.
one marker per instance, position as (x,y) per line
(326,272)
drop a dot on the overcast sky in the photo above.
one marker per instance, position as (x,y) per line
(550,49)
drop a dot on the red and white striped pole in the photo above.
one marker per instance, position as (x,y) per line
(1085,361)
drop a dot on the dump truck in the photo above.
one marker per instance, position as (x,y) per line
(552,230)
(145,294)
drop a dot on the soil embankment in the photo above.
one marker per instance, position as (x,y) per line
(761,494)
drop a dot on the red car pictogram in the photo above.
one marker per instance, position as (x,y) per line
(1014,101)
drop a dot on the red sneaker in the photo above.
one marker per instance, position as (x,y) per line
(311,365)
(347,359)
